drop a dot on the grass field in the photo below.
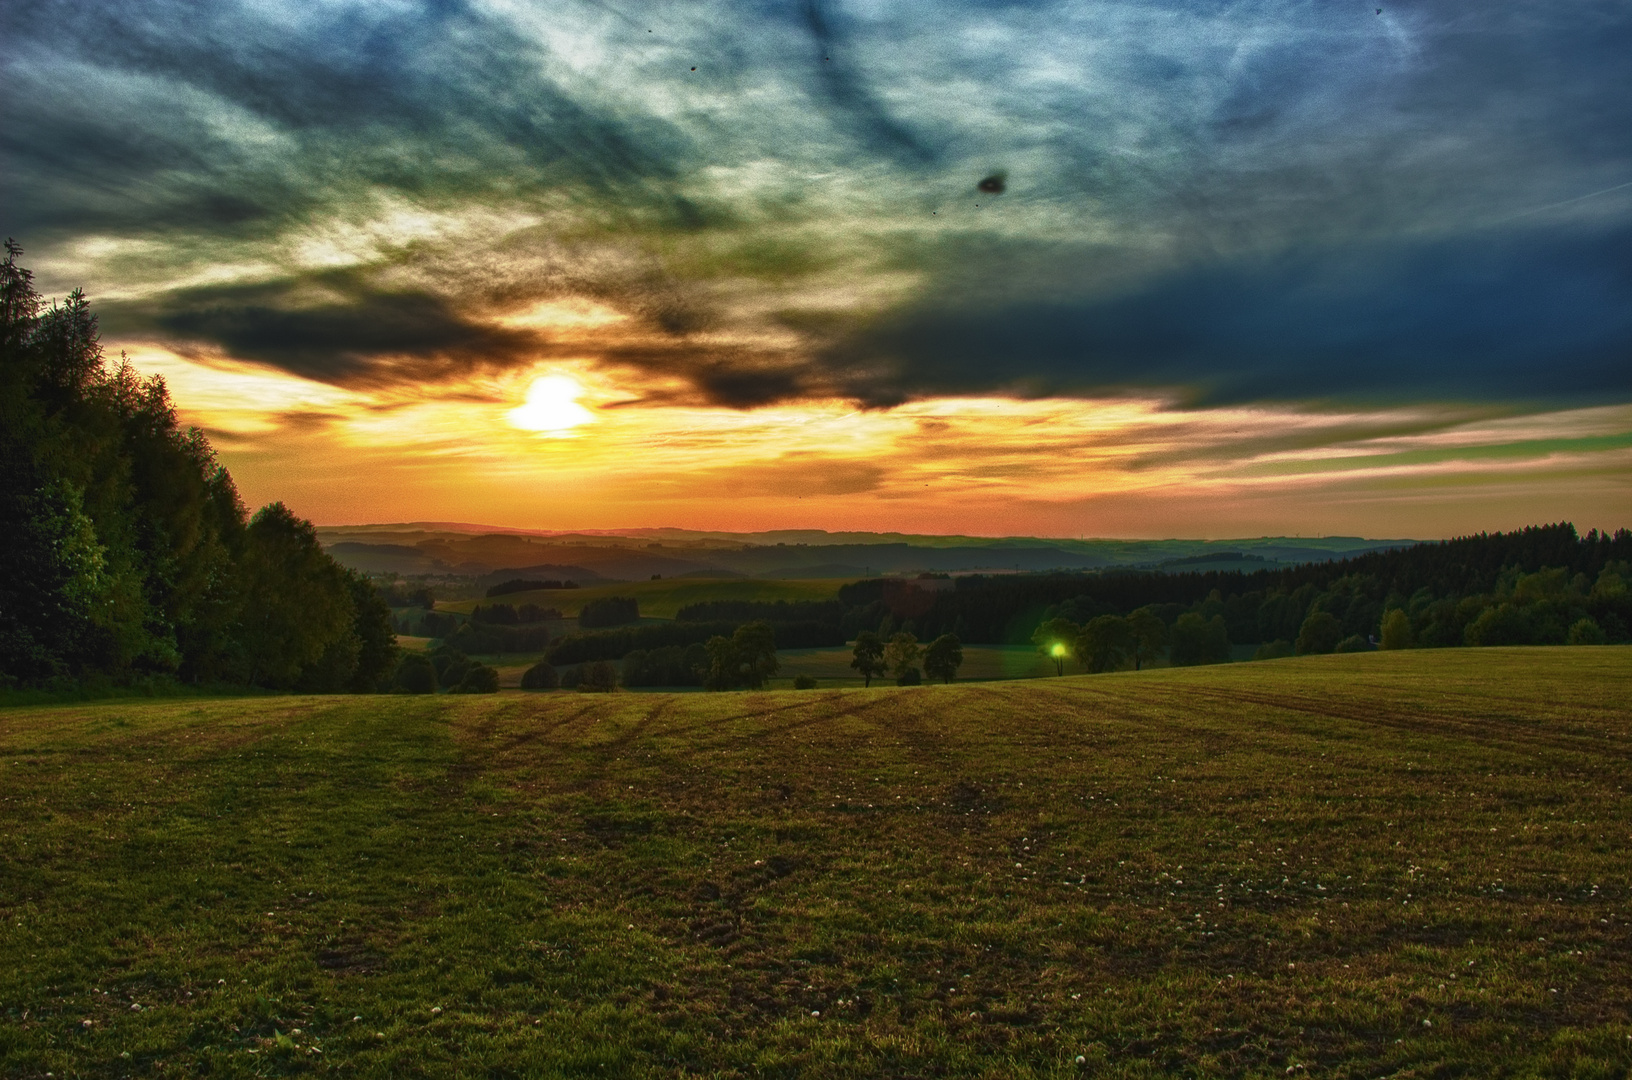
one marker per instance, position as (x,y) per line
(663,598)
(1388,864)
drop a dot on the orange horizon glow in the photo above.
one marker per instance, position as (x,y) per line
(565,445)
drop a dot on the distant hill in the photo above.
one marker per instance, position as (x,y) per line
(429,548)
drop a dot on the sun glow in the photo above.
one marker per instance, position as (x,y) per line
(552,407)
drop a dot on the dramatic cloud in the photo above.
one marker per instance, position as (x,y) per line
(839,204)
(1226,201)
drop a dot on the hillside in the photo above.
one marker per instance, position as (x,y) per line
(1405,863)
(439,549)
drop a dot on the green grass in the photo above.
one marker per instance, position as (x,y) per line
(663,598)
(1388,864)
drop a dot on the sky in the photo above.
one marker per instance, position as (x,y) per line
(1121,268)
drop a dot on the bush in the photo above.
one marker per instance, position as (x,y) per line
(480,679)
(1353,643)
(804,682)
(541,676)
(415,674)
(1587,632)
(451,665)
(599,677)
(1319,633)
(1273,650)
(910,677)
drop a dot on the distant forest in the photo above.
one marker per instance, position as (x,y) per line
(1528,587)
(1542,585)
(128,555)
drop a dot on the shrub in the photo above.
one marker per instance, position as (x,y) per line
(804,682)
(541,676)
(1273,650)
(416,674)
(451,665)
(1587,632)
(1353,643)
(480,679)
(599,677)
(910,677)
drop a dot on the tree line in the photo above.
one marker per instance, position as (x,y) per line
(128,554)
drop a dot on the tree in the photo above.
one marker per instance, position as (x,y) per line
(868,657)
(1106,643)
(1319,633)
(902,654)
(755,645)
(1200,641)
(1396,630)
(598,677)
(377,640)
(480,679)
(541,676)
(1149,636)
(416,674)
(296,601)
(1585,631)
(943,658)
(724,665)
(1054,639)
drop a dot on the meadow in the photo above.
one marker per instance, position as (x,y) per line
(1405,864)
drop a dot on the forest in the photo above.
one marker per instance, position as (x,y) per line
(128,555)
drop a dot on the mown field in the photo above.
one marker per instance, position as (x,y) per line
(663,598)
(1388,864)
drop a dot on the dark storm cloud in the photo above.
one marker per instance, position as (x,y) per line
(1476,318)
(1262,198)
(353,340)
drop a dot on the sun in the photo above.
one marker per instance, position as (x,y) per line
(552,407)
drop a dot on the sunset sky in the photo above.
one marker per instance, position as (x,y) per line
(1234,269)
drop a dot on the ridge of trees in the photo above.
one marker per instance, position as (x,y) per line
(1445,585)
(127,552)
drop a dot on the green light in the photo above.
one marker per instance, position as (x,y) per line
(1058,649)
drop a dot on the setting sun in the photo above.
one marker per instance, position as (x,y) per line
(552,407)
